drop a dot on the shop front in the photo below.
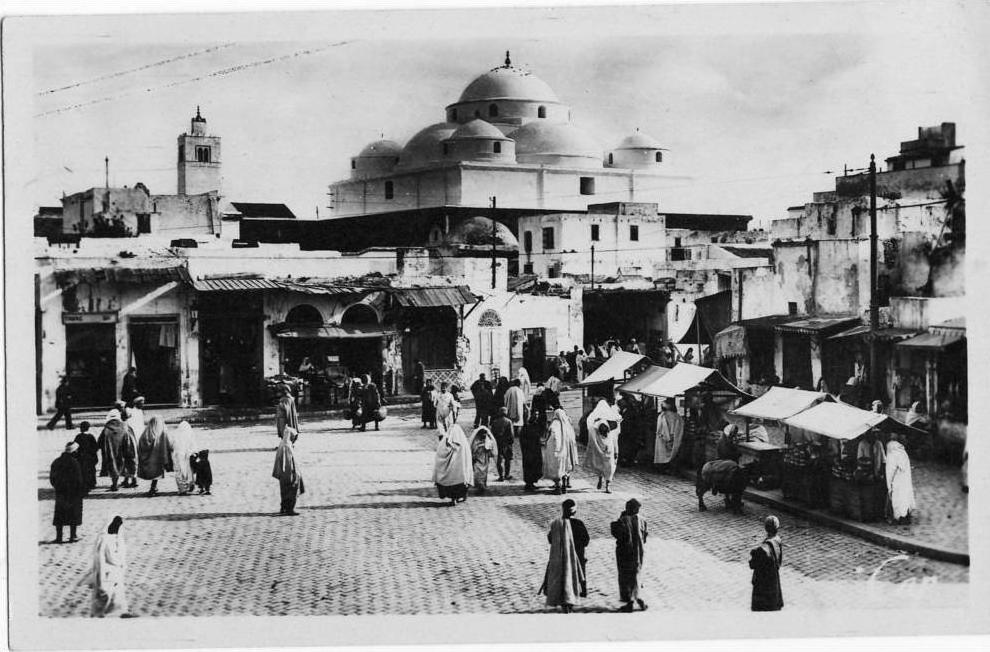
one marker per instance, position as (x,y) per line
(800,348)
(231,347)
(90,357)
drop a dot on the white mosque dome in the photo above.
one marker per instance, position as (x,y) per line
(478,129)
(381,148)
(508,83)
(425,147)
(639,140)
(556,144)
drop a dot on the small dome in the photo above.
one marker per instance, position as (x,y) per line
(478,128)
(425,147)
(478,231)
(508,83)
(541,139)
(381,148)
(639,140)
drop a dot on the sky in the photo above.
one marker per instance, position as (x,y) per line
(755,103)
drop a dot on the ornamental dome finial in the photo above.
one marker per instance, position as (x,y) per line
(508,61)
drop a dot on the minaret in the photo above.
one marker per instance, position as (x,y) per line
(199,160)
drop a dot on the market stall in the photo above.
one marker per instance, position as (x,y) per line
(856,484)
(621,366)
(703,397)
(781,460)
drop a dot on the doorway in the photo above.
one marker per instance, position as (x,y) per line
(231,371)
(797,361)
(91,364)
(154,345)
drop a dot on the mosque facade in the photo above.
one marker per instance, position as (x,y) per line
(508,136)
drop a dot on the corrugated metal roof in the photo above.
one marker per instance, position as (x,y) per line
(815,325)
(457,295)
(251,209)
(131,275)
(936,341)
(253,284)
(890,334)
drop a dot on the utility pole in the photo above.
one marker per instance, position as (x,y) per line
(592,266)
(494,240)
(874,303)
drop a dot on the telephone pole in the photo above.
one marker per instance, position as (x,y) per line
(592,266)
(874,303)
(494,240)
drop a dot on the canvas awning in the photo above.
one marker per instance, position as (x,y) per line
(934,341)
(458,295)
(613,369)
(683,377)
(329,331)
(730,342)
(821,326)
(635,385)
(780,403)
(836,420)
(712,314)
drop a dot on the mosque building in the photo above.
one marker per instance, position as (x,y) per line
(508,136)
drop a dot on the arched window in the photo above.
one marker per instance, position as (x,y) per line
(389,190)
(493,110)
(541,112)
(659,157)
(497,148)
(610,161)
(359,313)
(304,314)
(489,319)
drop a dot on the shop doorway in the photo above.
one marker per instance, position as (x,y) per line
(91,364)
(231,349)
(797,361)
(154,343)
(625,315)
(430,335)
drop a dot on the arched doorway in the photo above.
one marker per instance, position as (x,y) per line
(361,351)
(304,314)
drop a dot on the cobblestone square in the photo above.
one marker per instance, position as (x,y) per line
(374,538)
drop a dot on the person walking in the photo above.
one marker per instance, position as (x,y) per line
(515,406)
(182,447)
(135,416)
(112,442)
(604,425)
(290,481)
(630,534)
(428,408)
(154,454)
(286,415)
(900,489)
(108,574)
(63,404)
(765,560)
(66,478)
(502,431)
(482,393)
(484,450)
(371,403)
(88,455)
(564,580)
(445,408)
(452,469)
(669,434)
(558,457)
(579,359)
(525,384)
(129,386)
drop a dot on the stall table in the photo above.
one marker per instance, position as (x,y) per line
(768,461)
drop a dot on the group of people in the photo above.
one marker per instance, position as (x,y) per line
(365,403)
(565,579)
(120,453)
(507,413)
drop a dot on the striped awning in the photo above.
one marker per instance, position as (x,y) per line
(458,295)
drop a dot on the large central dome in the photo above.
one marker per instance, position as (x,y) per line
(508,83)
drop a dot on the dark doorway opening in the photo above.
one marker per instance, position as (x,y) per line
(91,363)
(155,353)
(231,371)
(797,361)
(625,315)
(429,335)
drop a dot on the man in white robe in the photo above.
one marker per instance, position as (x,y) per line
(670,432)
(601,456)
(900,490)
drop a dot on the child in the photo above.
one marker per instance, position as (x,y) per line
(200,463)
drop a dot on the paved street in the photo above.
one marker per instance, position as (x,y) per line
(373,538)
